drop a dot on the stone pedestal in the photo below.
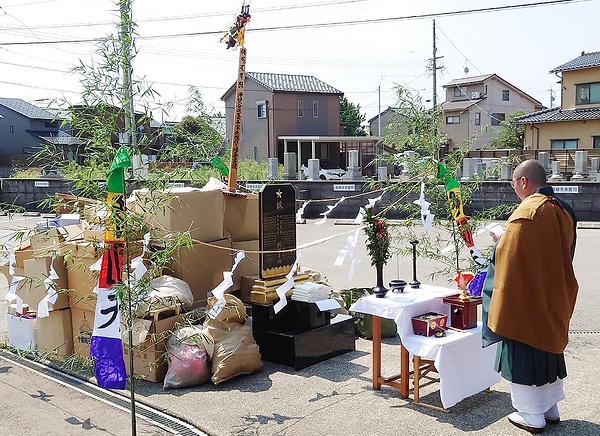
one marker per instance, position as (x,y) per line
(382,173)
(290,166)
(300,335)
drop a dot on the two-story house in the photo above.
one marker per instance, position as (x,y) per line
(284,105)
(575,125)
(475,107)
(24,130)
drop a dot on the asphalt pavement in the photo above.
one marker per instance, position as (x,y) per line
(334,397)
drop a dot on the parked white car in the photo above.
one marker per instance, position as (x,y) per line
(326,174)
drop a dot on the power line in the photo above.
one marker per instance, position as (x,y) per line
(321,25)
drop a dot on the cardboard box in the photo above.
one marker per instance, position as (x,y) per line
(84,249)
(240,219)
(82,282)
(83,326)
(249,266)
(149,352)
(202,266)
(47,243)
(55,332)
(22,253)
(183,210)
(35,272)
(71,233)
(246,287)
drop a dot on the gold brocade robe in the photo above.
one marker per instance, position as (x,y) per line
(534,284)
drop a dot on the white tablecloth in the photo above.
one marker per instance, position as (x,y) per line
(465,368)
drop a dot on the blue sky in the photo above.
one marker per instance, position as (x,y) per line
(519,45)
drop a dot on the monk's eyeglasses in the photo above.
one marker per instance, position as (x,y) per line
(512,182)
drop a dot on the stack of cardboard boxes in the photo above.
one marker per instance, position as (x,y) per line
(218,224)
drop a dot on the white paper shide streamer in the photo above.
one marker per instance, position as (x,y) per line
(329,209)
(219,291)
(289,284)
(300,213)
(44,306)
(426,215)
(351,242)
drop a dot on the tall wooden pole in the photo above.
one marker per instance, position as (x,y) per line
(237,121)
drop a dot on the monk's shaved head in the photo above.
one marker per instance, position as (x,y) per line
(533,170)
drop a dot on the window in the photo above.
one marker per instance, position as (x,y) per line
(300,108)
(587,93)
(243,127)
(505,95)
(596,141)
(261,109)
(477,118)
(458,92)
(315,109)
(497,118)
(453,120)
(563,144)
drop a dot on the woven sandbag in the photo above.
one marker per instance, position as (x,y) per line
(234,353)
(234,310)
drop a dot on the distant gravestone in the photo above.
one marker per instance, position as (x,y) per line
(273,168)
(544,159)
(313,169)
(556,175)
(468,169)
(580,165)
(290,166)
(505,172)
(277,230)
(594,168)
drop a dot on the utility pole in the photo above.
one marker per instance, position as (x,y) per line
(433,67)
(552,98)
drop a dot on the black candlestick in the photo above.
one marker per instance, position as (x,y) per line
(415,283)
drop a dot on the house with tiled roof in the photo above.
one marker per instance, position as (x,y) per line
(285,105)
(24,130)
(575,125)
(475,106)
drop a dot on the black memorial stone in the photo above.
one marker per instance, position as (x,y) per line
(295,317)
(277,226)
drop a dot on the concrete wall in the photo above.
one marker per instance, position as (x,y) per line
(586,203)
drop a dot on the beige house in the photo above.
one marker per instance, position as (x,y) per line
(575,125)
(475,107)
(277,105)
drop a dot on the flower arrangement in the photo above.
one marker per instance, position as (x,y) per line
(378,237)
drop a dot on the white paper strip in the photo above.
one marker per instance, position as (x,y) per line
(289,284)
(219,291)
(300,212)
(426,215)
(11,295)
(330,208)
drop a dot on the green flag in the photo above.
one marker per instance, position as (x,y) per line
(116,173)
(217,163)
(449,180)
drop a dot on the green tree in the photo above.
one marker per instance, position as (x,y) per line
(196,136)
(511,136)
(351,118)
